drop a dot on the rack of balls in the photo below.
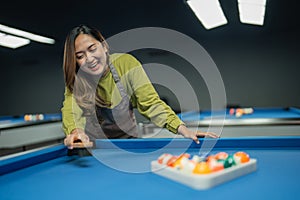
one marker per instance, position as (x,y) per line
(239,112)
(203,172)
(33,117)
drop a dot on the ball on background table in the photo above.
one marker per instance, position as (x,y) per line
(239,112)
(27,117)
(248,110)
(33,117)
(231,111)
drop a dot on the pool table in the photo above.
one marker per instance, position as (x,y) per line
(9,122)
(17,135)
(272,121)
(120,169)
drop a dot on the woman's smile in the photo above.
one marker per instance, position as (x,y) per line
(90,54)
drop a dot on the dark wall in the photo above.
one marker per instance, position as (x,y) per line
(31,84)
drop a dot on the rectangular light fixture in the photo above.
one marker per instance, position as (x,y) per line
(25,34)
(252,11)
(209,12)
(12,41)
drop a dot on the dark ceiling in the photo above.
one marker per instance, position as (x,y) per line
(56,17)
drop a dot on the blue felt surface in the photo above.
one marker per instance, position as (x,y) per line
(277,177)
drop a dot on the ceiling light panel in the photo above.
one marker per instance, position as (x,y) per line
(252,11)
(27,35)
(12,41)
(209,12)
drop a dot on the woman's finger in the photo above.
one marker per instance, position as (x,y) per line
(83,137)
(195,138)
(209,134)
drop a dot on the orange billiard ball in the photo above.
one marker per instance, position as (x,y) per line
(171,161)
(241,157)
(202,168)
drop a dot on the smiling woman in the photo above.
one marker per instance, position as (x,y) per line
(90,54)
(102,89)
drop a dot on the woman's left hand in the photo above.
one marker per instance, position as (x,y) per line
(187,133)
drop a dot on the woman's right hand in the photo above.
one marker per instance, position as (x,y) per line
(76,134)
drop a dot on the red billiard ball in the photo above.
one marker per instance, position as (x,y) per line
(231,111)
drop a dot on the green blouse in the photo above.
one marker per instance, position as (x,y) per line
(138,86)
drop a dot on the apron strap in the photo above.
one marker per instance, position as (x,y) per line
(116,78)
(114,73)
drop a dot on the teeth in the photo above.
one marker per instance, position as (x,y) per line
(93,66)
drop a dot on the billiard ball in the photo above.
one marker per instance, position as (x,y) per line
(241,157)
(228,162)
(221,156)
(202,168)
(163,159)
(231,111)
(214,165)
(171,161)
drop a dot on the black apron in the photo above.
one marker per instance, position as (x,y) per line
(117,122)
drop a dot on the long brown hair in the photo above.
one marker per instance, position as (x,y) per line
(85,93)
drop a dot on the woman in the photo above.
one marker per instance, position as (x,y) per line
(102,89)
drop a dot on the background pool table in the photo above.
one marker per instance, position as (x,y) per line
(8,122)
(262,122)
(124,172)
(259,115)
(17,135)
